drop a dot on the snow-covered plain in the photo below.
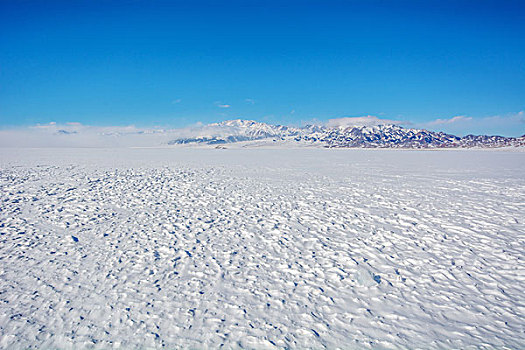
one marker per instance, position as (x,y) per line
(306,248)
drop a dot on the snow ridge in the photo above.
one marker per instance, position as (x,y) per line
(377,136)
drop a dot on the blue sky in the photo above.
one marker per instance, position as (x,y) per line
(174,63)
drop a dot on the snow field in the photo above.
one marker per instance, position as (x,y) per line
(144,248)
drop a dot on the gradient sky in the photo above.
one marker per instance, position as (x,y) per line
(174,63)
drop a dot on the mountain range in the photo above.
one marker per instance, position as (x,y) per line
(251,133)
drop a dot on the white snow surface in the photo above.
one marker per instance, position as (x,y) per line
(305,248)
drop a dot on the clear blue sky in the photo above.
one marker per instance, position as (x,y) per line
(174,63)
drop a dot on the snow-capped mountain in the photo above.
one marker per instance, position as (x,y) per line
(236,131)
(379,136)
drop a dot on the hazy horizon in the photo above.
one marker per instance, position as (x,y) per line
(74,134)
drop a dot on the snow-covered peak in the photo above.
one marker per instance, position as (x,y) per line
(238,123)
(341,135)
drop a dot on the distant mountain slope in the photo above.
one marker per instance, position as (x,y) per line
(381,136)
(236,131)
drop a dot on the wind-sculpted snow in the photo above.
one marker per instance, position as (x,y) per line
(261,249)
